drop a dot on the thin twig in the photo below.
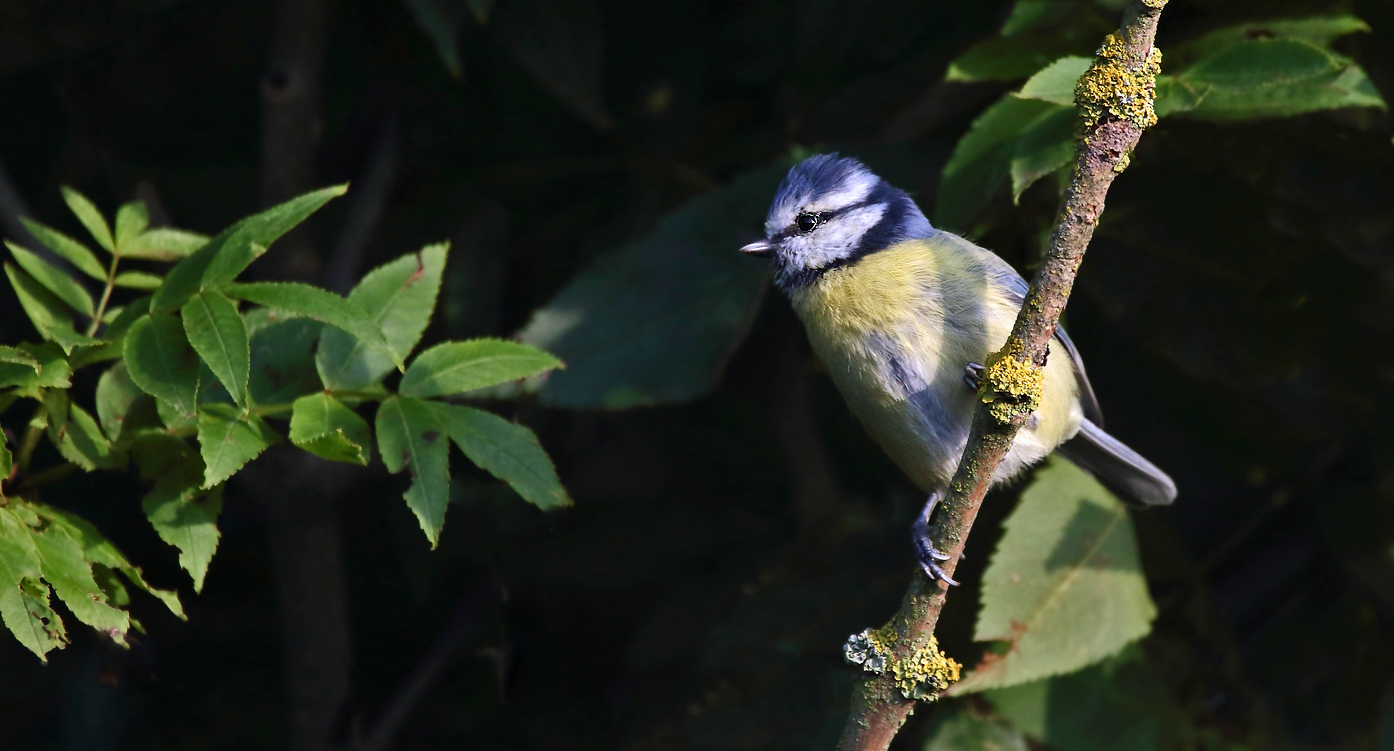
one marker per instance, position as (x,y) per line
(1115,105)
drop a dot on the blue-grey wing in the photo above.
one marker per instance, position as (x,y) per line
(1017,287)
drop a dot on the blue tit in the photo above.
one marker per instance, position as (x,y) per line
(903,316)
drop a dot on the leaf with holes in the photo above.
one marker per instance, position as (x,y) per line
(69,572)
(410,437)
(1065,586)
(19,563)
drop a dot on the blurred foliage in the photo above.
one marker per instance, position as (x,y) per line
(595,164)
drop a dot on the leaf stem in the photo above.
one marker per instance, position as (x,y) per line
(106,294)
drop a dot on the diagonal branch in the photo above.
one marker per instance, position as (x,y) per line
(1114,99)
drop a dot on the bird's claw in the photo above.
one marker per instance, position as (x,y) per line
(929,556)
(973,375)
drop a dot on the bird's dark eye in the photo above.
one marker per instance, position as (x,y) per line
(807,221)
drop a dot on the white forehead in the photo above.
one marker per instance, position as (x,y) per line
(819,184)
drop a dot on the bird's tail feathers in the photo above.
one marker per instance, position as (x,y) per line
(1120,469)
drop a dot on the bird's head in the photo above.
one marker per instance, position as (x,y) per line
(829,212)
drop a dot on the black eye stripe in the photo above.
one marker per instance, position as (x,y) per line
(823,218)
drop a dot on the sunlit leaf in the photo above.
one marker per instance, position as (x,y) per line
(457,367)
(91,218)
(318,304)
(323,426)
(66,248)
(48,314)
(656,320)
(1065,586)
(410,437)
(163,244)
(137,280)
(117,395)
(505,450)
(131,220)
(222,258)
(161,362)
(982,161)
(1274,78)
(1046,145)
(69,572)
(19,562)
(53,279)
(216,331)
(399,297)
(227,440)
(1056,82)
(183,514)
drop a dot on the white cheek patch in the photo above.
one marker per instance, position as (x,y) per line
(835,240)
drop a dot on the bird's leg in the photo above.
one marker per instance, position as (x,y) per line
(925,552)
(973,375)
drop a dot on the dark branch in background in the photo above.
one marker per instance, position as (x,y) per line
(1114,99)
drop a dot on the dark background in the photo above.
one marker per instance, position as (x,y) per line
(1236,312)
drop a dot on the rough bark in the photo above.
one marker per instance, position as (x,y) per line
(1115,105)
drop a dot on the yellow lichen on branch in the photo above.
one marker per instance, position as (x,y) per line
(1011,388)
(921,675)
(1113,87)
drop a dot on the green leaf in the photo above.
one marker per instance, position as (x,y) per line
(505,450)
(20,357)
(48,314)
(221,259)
(409,436)
(131,220)
(99,550)
(318,304)
(966,730)
(7,463)
(117,395)
(1176,95)
(399,296)
(53,279)
(66,248)
(38,629)
(68,571)
(137,280)
(1007,59)
(440,19)
(1056,82)
(163,244)
(1033,14)
(323,426)
(1318,30)
(161,362)
(1065,586)
(283,360)
(1263,62)
(90,217)
(216,331)
(81,441)
(184,515)
(52,371)
(1091,710)
(457,367)
(227,440)
(1345,88)
(982,160)
(657,320)
(1045,146)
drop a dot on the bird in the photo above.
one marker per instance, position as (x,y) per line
(904,315)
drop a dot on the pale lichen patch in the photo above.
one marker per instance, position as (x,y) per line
(922,675)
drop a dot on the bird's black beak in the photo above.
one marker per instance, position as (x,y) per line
(759,249)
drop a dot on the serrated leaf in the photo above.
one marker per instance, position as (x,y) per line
(81,441)
(91,218)
(66,248)
(399,297)
(1055,83)
(1046,145)
(68,571)
(216,331)
(1065,585)
(656,320)
(322,425)
(317,304)
(163,244)
(221,259)
(19,561)
(137,280)
(19,357)
(184,515)
(965,730)
(982,160)
(53,371)
(99,550)
(117,395)
(131,220)
(227,440)
(457,367)
(283,360)
(161,362)
(53,279)
(48,314)
(410,437)
(507,451)
(1090,710)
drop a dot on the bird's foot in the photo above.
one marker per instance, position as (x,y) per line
(929,556)
(973,375)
